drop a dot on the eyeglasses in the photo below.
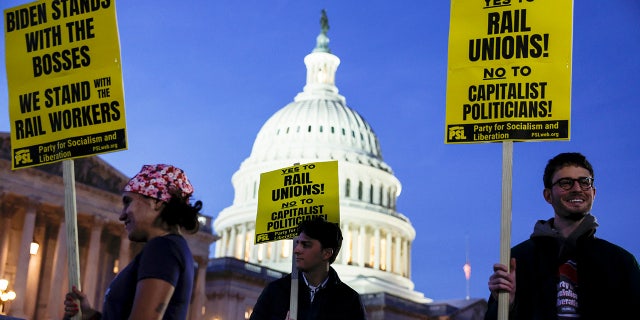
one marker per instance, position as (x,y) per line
(585,183)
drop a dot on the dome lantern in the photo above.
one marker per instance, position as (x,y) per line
(321,68)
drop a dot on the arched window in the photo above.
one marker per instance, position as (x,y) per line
(347,188)
(371,194)
(255,190)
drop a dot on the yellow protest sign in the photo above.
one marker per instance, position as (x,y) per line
(291,195)
(64,75)
(509,71)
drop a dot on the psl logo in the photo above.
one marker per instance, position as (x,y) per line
(23,157)
(456,133)
(262,237)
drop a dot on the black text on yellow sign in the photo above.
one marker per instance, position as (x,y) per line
(288,196)
(509,74)
(65,80)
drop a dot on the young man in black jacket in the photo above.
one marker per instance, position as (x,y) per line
(563,271)
(321,294)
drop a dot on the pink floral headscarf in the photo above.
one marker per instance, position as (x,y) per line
(160,181)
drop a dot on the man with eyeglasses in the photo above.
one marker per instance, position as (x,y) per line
(563,271)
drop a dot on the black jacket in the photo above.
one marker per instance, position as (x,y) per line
(608,275)
(333,302)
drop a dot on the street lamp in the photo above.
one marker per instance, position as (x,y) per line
(5,295)
(33,249)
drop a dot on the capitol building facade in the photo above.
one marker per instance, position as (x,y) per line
(316,126)
(319,126)
(375,258)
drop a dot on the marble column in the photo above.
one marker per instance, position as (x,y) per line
(362,247)
(355,236)
(344,250)
(405,256)
(220,244)
(243,242)
(388,259)
(92,266)
(199,285)
(20,284)
(260,254)
(231,250)
(124,255)
(35,269)
(55,301)
(277,251)
(397,262)
(5,233)
(376,248)
(408,250)
(253,248)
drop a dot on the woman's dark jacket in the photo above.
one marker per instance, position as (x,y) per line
(333,302)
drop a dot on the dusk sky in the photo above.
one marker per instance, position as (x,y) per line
(202,77)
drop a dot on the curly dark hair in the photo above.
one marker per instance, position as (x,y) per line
(179,211)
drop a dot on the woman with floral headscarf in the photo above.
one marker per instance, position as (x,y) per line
(157,284)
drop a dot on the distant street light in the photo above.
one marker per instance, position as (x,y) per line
(33,250)
(5,295)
